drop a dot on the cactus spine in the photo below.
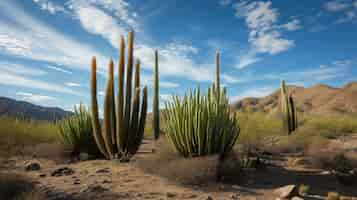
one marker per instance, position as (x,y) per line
(122,123)
(156,112)
(288,110)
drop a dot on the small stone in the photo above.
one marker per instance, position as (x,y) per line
(83,156)
(93,189)
(62,171)
(106,181)
(235,196)
(171,194)
(287,191)
(209,198)
(77,182)
(104,170)
(32,166)
(42,175)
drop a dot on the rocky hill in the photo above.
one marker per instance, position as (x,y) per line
(22,109)
(318,99)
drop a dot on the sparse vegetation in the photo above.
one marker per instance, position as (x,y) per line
(75,132)
(17,134)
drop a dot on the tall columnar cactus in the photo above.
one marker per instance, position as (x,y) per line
(123,124)
(288,110)
(155,107)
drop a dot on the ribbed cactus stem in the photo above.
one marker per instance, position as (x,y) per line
(120,97)
(288,110)
(156,112)
(217,84)
(108,130)
(129,77)
(123,125)
(97,132)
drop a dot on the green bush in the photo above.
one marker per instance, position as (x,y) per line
(75,132)
(200,125)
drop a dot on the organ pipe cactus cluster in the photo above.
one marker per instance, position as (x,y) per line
(155,107)
(288,110)
(123,119)
(199,125)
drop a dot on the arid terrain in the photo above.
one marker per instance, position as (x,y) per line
(102,179)
(319,99)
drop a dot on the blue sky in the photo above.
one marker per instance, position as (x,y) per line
(46,45)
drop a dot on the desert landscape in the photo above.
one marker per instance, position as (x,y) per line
(228,119)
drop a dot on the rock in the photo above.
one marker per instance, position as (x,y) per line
(83,156)
(93,189)
(32,166)
(209,198)
(171,194)
(103,170)
(287,191)
(42,175)
(235,196)
(189,196)
(62,171)
(297,198)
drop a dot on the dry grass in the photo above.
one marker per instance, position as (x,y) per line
(188,171)
(28,138)
(17,187)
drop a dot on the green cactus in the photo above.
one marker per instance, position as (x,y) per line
(199,125)
(288,110)
(155,110)
(122,123)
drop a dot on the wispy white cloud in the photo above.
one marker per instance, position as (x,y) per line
(293,25)
(253,92)
(336,5)
(36,98)
(265,35)
(25,82)
(59,69)
(71,84)
(225,2)
(20,69)
(33,39)
(49,6)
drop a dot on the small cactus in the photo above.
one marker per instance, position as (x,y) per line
(122,123)
(288,110)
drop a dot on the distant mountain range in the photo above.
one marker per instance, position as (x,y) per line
(22,109)
(319,99)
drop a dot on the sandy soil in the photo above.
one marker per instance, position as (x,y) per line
(102,179)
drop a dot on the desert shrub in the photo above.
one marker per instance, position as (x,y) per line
(170,165)
(199,125)
(75,132)
(258,130)
(331,126)
(18,134)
